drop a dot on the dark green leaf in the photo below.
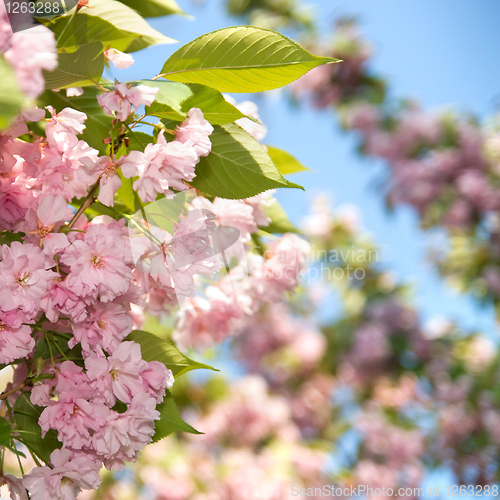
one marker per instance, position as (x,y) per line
(238,166)
(154,348)
(170,420)
(5,432)
(7,237)
(26,415)
(77,69)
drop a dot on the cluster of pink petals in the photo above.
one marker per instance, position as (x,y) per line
(28,52)
(168,165)
(123,99)
(119,59)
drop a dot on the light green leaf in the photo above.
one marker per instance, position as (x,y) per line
(84,28)
(213,105)
(168,99)
(154,8)
(139,140)
(280,223)
(97,124)
(126,19)
(237,167)
(154,348)
(174,100)
(5,432)
(241,59)
(12,98)
(284,161)
(170,420)
(26,415)
(77,69)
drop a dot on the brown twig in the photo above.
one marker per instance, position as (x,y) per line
(86,204)
(5,395)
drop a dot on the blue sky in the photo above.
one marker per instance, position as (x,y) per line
(441,52)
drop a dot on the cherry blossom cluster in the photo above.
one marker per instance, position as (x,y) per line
(442,163)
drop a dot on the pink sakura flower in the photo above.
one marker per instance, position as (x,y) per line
(126,433)
(58,171)
(232,213)
(257,130)
(63,127)
(51,213)
(74,417)
(74,91)
(5,30)
(203,322)
(72,472)
(110,181)
(59,300)
(97,267)
(15,486)
(120,101)
(104,328)
(195,131)
(15,338)
(259,203)
(162,166)
(280,273)
(32,51)
(125,374)
(119,59)
(24,277)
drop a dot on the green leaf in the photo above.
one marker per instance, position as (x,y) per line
(154,348)
(7,237)
(237,167)
(168,99)
(139,140)
(5,432)
(241,59)
(98,122)
(127,20)
(170,420)
(73,31)
(26,415)
(284,161)
(213,105)
(77,69)
(280,223)
(127,195)
(12,98)
(154,8)
(175,99)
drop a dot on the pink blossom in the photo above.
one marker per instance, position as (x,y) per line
(195,130)
(126,433)
(74,417)
(125,374)
(259,203)
(232,213)
(63,128)
(161,167)
(71,473)
(119,59)
(120,101)
(24,277)
(103,329)
(257,130)
(97,267)
(32,51)
(15,338)
(109,183)
(59,300)
(74,91)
